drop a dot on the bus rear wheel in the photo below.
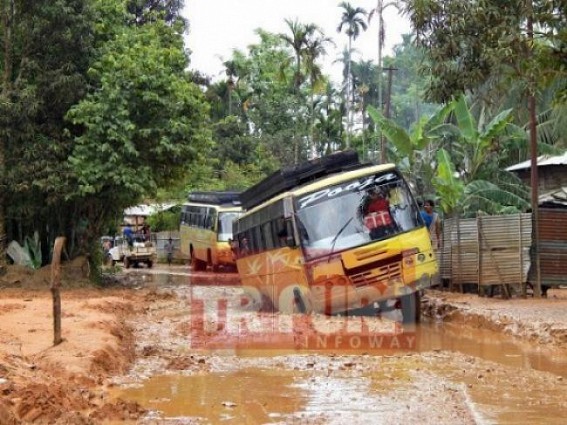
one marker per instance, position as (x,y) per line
(197,265)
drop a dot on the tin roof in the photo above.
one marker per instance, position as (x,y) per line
(541,161)
(146,210)
(556,197)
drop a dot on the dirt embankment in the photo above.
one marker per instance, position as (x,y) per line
(42,383)
(541,320)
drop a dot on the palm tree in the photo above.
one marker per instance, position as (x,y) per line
(379,12)
(315,48)
(231,70)
(298,41)
(364,82)
(353,21)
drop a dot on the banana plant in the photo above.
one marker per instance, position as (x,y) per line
(458,196)
(471,179)
(413,149)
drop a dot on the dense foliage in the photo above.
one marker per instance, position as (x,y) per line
(99,111)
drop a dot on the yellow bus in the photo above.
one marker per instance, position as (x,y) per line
(333,242)
(205,229)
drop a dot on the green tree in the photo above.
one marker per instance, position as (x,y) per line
(47,50)
(353,21)
(140,128)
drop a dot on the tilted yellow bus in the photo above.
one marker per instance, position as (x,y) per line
(206,229)
(317,246)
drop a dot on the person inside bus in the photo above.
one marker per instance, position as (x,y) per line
(377,216)
(244,248)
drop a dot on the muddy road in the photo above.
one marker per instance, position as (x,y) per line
(204,356)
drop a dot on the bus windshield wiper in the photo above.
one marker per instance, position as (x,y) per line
(337,236)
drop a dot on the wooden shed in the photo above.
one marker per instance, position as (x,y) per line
(552,225)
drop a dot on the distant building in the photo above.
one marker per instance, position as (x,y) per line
(552,225)
(552,178)
(136,215)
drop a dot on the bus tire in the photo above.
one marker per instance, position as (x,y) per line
(411,307)
(294,300)
(150,264)
(209,260)
(127,262)
(196,264)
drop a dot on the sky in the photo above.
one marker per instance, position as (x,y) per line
(217,27)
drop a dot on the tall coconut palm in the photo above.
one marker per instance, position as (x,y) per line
(298,40)
(315,48)
(231,70)
(378,11)
(353,21)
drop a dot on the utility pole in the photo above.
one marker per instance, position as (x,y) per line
(534,179)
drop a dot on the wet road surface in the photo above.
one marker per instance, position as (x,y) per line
(453,374)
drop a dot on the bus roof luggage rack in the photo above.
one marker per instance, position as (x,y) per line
(289,177)
(215,197)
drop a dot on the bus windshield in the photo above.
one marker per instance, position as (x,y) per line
(225,225)
(355,213)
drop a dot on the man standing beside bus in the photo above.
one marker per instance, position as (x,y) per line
(431,219)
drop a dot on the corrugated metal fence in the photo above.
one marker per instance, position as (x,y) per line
(161,239)
(487,250)
(552,247)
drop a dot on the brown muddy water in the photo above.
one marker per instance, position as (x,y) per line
(455,374)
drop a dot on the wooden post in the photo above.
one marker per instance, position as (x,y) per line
(521,255)
(55,286)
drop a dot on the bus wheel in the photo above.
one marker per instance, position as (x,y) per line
(197,265)
(294,300)
(127,262)
(150,264)
(411,307)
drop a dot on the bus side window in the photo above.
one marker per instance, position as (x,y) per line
(257,242)
(281,232)
(268,235)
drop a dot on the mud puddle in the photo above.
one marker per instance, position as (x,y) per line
(249,395)
(454,375)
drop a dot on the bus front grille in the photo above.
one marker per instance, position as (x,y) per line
(386,273)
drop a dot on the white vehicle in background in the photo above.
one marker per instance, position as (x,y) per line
(116,253)
(138,252)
